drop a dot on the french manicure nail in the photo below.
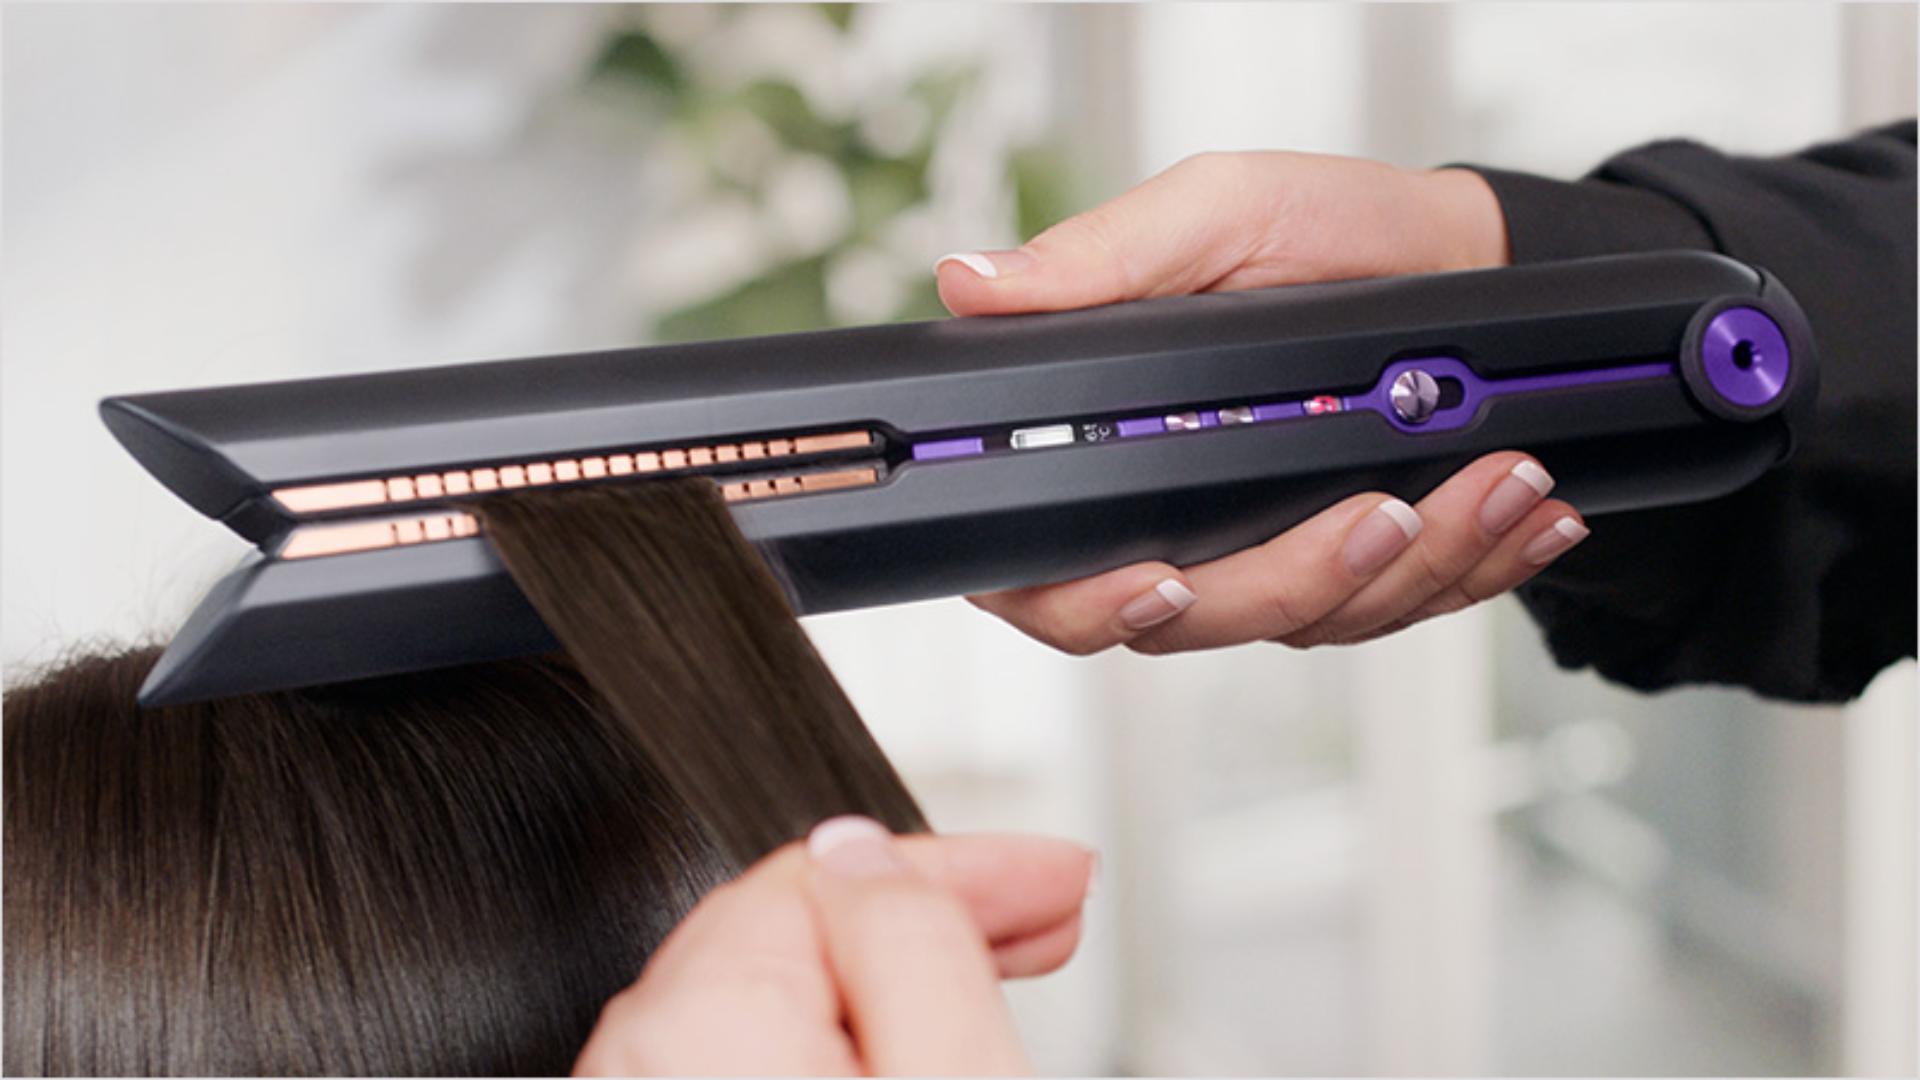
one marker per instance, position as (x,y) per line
(1157,605)
(1380,536)
(989,264)
(1553,541)
(854,846)
(1513,496)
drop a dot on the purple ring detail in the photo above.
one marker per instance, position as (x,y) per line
(1379,399)
(1771,361)
(1141,425)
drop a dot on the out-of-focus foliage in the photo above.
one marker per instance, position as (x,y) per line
(880,154)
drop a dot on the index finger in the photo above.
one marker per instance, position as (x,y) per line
(1184,230)
(741,986)
(921,993)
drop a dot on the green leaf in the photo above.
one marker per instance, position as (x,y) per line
(1043,188)
(923,302)
(940,90)
(880,188)
(638,56)
(840,15)
(782,107)
(784,299)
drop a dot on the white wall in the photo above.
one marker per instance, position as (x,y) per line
(203,195)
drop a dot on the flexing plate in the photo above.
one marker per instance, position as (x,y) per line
(366,494)
(342,537)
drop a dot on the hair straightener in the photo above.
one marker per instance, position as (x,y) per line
(893,463)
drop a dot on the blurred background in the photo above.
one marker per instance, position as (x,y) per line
(1436,853)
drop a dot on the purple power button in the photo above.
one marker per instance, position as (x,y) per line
(1745,356)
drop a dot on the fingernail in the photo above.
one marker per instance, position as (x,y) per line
(1513,496)
(854,846)
(1380,536)
(1094,866)
(989,264)
(1157,605)
(1553,541)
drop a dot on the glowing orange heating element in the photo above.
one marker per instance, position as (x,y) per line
(315,540)
(311,541)
(321,498)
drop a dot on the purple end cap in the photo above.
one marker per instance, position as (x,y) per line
(1144,425)
(947,448)
(1745,356)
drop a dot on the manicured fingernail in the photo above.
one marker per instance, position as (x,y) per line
(989,264)
(1157,605)
(854,846)
(1553,541)
(1380,536)
(1513,496)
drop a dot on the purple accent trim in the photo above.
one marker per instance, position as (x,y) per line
(1285,410)
(947,448)
(1768,360)
(1479,389)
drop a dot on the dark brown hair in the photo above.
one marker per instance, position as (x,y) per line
(731,701)
(447,872)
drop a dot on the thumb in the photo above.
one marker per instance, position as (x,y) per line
(1179,232)
(919,986)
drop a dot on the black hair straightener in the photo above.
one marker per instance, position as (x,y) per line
(892,463)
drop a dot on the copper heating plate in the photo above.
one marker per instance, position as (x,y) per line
(354,494)
(311,541)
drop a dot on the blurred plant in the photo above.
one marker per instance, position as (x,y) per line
(831,189)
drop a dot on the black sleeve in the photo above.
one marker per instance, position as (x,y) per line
(1801,586)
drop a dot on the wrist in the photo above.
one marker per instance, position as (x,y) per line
(1469,228)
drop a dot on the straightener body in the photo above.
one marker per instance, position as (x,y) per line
(893,463)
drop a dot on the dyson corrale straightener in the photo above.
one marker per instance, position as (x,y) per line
(895,463)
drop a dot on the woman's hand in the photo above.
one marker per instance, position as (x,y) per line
(859,953)
(1363,567)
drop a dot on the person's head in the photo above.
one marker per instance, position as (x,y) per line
(437,873)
